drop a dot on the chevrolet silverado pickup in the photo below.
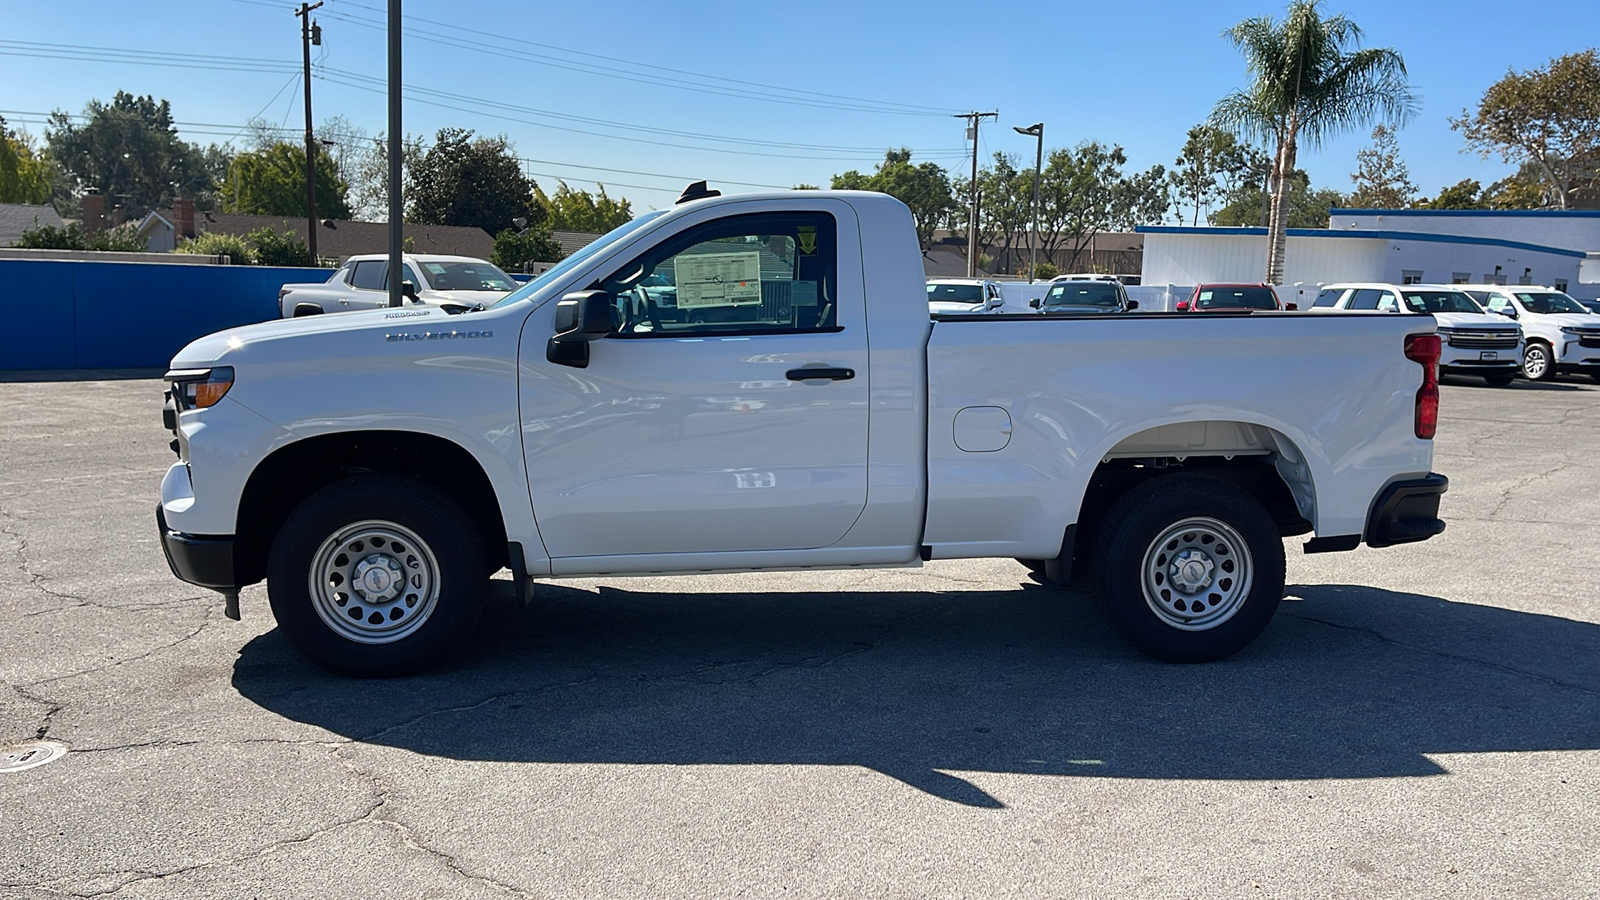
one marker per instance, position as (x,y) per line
(375,468)
(456,283)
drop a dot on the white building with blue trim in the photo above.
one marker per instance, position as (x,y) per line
(1542,247)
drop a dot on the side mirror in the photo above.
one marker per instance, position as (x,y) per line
(1291,307)
(1183,306)
(1133,305)
(1507,311)
(580,318)
(1034,303)
(409,291)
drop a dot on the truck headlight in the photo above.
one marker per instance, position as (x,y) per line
(1569,330)
(199,388)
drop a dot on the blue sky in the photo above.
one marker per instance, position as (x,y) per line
(1135,74)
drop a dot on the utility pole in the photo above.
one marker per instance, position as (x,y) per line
(310,33)
(973,118)
(1036,130)
(397,220)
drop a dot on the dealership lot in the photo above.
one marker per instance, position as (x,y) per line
(1419,721)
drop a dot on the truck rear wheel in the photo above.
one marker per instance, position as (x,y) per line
(1188,568)
(376,576)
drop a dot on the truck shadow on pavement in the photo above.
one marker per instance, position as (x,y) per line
(1348,682)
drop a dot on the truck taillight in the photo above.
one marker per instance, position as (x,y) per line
(1426,349)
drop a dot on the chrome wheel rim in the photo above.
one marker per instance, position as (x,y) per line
(1534,362)
(1196,574)
(374,582)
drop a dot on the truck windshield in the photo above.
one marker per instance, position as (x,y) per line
(1236,298)
(566,265)
(464,276)
(1440,302)
(955,293)
(1546,303)
(1083,293)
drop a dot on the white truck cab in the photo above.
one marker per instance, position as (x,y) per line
(964,296)
(455,283)
(1475,342)
(1562,336)
(799,409)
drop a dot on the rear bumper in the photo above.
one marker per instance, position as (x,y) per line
(200,559)
(1406,511)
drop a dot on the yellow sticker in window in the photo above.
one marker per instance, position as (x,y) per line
(807,235)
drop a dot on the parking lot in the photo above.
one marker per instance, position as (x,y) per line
(1422,721)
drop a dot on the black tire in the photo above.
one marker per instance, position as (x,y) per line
(415,530)
(1181,511)
(1543,361)
(1499,380)
(1595,376)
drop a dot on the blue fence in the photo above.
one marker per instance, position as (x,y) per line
(92,315)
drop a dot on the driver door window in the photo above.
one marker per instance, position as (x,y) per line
(757,274)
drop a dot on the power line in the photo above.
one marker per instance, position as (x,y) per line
(373,85)
(608,67)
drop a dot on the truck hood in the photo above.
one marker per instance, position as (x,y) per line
(463,298)
(211,349)
(1586,321)
(1473,320)
(947,308)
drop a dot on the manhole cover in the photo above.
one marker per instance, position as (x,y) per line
(26,756)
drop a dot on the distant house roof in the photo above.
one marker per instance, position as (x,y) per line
(573,241)
(342,238)
(941,263)
(15,218)
(1426,237)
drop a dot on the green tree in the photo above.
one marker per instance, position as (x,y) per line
(274,248)
(272,182)
(369,175)
(1549,117)
(130,150)
(1203,162)
(1527,189)
(218,243)
(1307,208)
(48,237)
(1461,195)
(1005,208)
(1077,198)
(1310,80)
(924,187)
(515,251)
(1141,199)
(1381,178)
(570,210)
(24,175)
(461,181)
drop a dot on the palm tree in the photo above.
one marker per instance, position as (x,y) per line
(1311,79)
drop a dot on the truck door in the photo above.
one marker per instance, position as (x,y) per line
(736,420)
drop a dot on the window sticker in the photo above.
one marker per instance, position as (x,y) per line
(807,235)
(803,293)
(434,268)
(718,279)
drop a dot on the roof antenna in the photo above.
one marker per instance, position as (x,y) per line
(697,191)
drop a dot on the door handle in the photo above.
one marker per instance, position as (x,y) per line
(820,373)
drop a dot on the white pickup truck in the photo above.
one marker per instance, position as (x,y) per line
(455,283)
(375,468)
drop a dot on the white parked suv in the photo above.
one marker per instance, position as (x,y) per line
(957,296)
(1562,336)
(456,283)
(1475,342)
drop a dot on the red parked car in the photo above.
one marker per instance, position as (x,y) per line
(1233,298)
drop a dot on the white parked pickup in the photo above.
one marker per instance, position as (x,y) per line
(1473,341)
(374,468)
(1562,335)
(456,283)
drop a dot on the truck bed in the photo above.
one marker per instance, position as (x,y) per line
(1326,399)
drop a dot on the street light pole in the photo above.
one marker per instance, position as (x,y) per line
(396,210)
(1036,130)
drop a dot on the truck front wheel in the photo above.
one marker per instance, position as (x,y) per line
(1188,568)
(376,575)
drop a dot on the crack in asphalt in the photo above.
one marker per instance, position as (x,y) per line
(1458,657)
(1505,493)
(205,622)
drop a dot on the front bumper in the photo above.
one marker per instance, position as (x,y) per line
(200,559)
(1407,511)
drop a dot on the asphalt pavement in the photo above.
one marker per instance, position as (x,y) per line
(1420,721)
